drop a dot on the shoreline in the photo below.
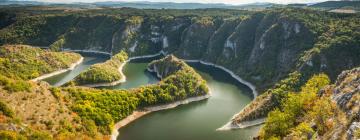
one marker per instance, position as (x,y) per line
(122,80)
(245,124)
(120,69)
(239,79)
(139,113)
(87,51)
(229,125)
(72,67)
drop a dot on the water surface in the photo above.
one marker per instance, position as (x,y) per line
(136,75)
(195,121)
(198,120)
(61,79)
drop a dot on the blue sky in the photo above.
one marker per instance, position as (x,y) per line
(234,2)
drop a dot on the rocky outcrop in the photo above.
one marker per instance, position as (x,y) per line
(347,93)
(166,66)
(261,47)
(354,131)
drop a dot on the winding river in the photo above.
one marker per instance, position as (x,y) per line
(194,121)
(61,79)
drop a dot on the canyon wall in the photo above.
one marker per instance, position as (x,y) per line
(261,47)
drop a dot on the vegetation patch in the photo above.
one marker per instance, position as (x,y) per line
(105,107)
(106,72)
(25,62)
(298,110)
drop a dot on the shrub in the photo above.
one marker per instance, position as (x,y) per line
(90,127)
(18,85)
(6,110)
(302,131)
(10,135)
(357,133)
(40,135)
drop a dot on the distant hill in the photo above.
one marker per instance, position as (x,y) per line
(12,2)
(144,5)
(337,4)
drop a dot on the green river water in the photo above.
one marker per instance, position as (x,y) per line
(194,121)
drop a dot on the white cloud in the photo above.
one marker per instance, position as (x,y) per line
(235,2)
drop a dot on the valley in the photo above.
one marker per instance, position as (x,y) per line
(277,73)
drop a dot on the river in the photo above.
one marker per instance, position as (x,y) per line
(194,121)
(61,79)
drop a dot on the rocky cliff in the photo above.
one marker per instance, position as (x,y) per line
(346,93)
(261,47)
(166,66)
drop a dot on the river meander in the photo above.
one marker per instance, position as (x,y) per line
(194,121)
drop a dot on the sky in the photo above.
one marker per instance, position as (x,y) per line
(233,2)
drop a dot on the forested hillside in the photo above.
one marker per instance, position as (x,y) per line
(284,52)
(36,110)
(26,62)
(262,47)
(318,110)
(107,72)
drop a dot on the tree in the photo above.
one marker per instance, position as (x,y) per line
(278,124)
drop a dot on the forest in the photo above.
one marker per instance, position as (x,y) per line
(92,112)
(106,72)
(293,56)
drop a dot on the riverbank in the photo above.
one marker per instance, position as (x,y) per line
(72,66)
(88,51)
(230,125)
(120,69)
(122,80)
(239,79)
(138,114)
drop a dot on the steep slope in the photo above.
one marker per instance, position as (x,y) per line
(277,49)
(26,62)
(107,73)
(346,94)
(35,110)
(318,110)
(262,47)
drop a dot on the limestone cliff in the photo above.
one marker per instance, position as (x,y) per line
(261,47)
(166,66)
(346,93)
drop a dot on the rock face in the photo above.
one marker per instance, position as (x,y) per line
(353,130)
(346,94)
(166,66)
(262,47)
